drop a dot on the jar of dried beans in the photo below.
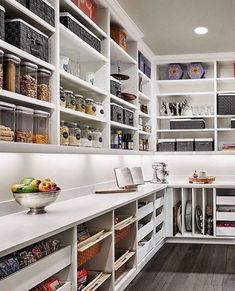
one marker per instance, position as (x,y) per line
(43,88)
(28,79)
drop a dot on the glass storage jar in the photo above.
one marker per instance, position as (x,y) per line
(74,134)
(62,97)
(80,103)
(90,106)
(86,139)
(43,88)
(70,99)
(97,139)
(11,69)
(41,127)
(64,133)
(28,79)
(99,109)
(24,124)
(1,68)
(7,121)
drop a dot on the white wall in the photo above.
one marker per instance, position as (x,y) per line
(78,170)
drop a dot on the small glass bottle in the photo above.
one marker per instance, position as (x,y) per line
(43,88)
(62,97)
(28,79)
(74,134)
(64,133)
(11,67)
(70,99)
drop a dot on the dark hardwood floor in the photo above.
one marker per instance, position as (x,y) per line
(189,267)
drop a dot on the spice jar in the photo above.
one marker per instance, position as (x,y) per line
(90,106)
(43,88)
(11,67)
(70,99)
(41,127)
(62,97)
(1,69)
(99,109)
(7,121)
(74,134)
(24,124)
(64,133)
(86,139)
(28,79)
(80,103)
(97,139)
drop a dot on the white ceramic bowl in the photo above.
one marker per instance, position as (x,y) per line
(37,201)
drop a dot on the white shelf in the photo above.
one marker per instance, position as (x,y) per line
(185,94)
(65,287)
(226,92)
(80,84)
(69,6)
(122,102)
(186,130)
(185,116)
(141,132)
(66,112)
(143,97)
(71,44)
(24,55)
(225,116)
(144,77)
(19,99)
(17,10)
(185,81)
(118,54)
(225,129)
(232,79)
(122,126)
(144,115)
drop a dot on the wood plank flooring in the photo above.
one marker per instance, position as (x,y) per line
(189,267)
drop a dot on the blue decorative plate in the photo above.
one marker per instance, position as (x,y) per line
(175,72)
(196,71)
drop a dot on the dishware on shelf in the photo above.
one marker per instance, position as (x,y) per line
(90,77)
(64,63)
(195,110)
(175,72)
(202,174)
(196,71)
(198,218)
(179,219)
(128,96)
(74,68)
(36,201)
(188,215)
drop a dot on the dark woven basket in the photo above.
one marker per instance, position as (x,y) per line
(128,117)
(226,104)
(166,146)
(26,38)
(115,87)
(116,113)
(2,24)
(187,124)
(81,32)
(43,10)
(23,2)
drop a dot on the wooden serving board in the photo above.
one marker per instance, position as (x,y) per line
(206,180)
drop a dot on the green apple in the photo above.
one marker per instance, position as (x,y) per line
(35,183)
(29,189)
(26,181)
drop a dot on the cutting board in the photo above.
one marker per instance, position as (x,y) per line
(206,180)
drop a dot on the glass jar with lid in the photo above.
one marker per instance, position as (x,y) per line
(86,139)
(90,106)
(70,99)
(97,139)
(24,124)
(11,69)
(99,109)
(80,103)
(43,88)
(62,97)
(28,79)
(41,127)
(74,134)
(64,133)
(7,121)
(1,68)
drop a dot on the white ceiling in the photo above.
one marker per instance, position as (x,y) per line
(168,24)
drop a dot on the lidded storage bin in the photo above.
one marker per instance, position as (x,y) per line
(184,144)
(86,137)
(26,37)
(226,104)
(90,106)
(43,9)
(7,121)
(41,127)
(64,133)
(74,134)
(24,124)
(11,73)
(43,88)
(80,103)
(97,139)
(203,144)
(70,99)
(99,109)
(128,118)
(28,79)
(116,112)
(166,145)
(1,69)
(2,22)
(115,86)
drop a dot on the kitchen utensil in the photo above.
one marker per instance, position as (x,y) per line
(160,173)
(120,76)
(37,201)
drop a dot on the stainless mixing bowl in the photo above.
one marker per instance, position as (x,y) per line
(37,201)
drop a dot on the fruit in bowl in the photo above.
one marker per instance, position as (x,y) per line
(35,194)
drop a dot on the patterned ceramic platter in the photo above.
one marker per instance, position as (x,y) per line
(175,72)
(196,71)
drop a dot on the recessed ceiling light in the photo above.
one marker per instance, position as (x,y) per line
(201,30)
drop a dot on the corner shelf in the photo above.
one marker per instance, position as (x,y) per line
(118,54)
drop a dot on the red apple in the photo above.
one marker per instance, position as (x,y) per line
(45,186)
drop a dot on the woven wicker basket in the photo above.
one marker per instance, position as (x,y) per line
(88,254)
(121,234)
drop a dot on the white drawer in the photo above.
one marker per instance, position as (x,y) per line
(39,271)
(225,200)
(144,250)
(145,210)
(225,231)
(159,219)
(66,287)
(159,235)
(145,230)
(159,202)
(230,216)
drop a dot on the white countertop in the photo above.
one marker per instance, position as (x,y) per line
(19,230)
